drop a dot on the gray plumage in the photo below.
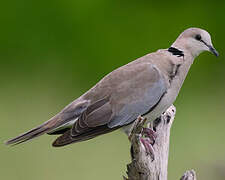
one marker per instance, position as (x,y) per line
(146,86)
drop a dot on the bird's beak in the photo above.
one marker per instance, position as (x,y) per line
(213,50)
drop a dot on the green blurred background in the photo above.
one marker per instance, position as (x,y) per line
(51,52)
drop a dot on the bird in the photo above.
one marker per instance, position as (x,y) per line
(147,86)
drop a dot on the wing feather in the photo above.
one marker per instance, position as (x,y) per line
(130,99)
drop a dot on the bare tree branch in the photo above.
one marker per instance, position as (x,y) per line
(189,175)
(152,166)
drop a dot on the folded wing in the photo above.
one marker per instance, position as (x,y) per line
(134,94)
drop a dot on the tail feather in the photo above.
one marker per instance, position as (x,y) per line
(67,138)
(56,125)
(38,131)
(35,132)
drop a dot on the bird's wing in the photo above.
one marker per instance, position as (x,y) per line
(115,101)
(129,92)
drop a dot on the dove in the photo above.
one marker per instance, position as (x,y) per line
(147,86)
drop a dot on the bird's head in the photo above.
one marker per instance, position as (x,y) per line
(195,40)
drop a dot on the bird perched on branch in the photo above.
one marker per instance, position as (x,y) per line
(147,86)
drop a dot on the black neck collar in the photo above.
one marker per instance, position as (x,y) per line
(176,52)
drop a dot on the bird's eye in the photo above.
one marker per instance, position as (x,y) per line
(198,37)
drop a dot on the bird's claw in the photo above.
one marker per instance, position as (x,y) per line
(148,140)
(149,133)
(148,147)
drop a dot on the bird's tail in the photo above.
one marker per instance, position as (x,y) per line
(35,132)
(58,124)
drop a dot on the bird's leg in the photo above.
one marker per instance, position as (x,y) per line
(148,140)
(148,147)
(146,136)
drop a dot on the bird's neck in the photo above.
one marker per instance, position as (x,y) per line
(186,60)
(180,65)
(188,50)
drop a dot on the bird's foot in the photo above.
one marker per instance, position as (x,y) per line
(149,133)
(148,147)
(148,140)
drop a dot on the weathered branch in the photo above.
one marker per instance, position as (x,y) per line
(153,166)
(189,175)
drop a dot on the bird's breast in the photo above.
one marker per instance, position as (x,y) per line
(168,98)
